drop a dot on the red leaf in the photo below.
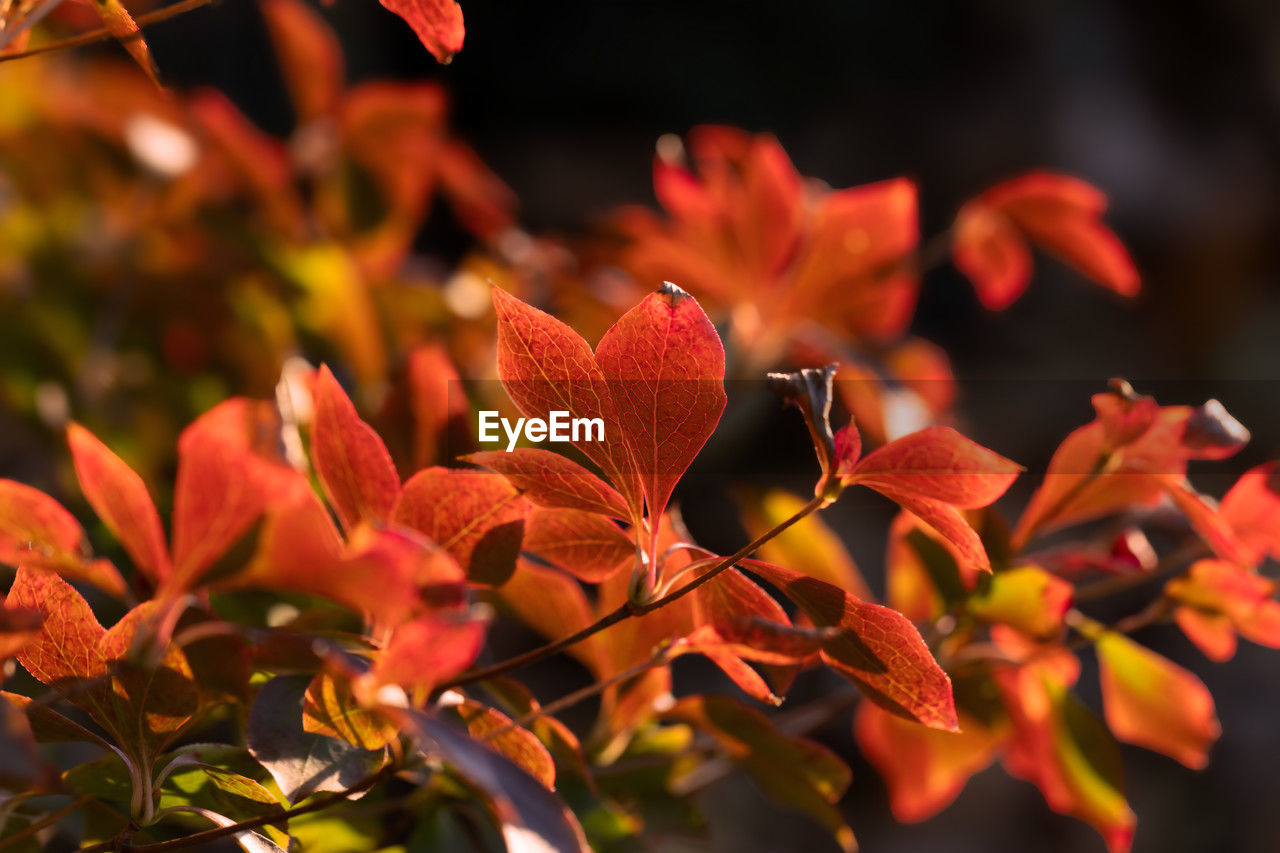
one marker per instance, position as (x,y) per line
(1059,213)
(587,546)
(119,497)
(546,366)
(35,530)
(18,626)
(437,23)
(376,574)
(229,473)
(435,400)
(991,252)
(551,480)
(153,702)
(665,367)
(1152,702)
(309,56)
(924,769)
(948,522)
(495,728)
(937,464)
(351,461)
(429,650)
(474,515)
(1252,509)
(880,651)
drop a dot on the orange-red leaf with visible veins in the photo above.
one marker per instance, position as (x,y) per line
(546,366)
(119,497)
(351,461)
(229,473)
(474,515)
(588,546)
(553,604)
(495,728)
(1152,702)
(437,23)
(937,464)
(665,367)
(551,480)
(880,650)
(18,626)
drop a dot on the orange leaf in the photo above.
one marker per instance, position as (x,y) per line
(18,626)
(1152,702)
(924,769)
(1026,598)
(330,708)
(435,400)
(309,55)
(120,24)
(665,369)
(880,650)
(1060,214)
(153,702)
(351,461)
(474,515)
(587,546)
(1218,599)
(551,480)
(494,728)
(35,530)
(229,473)
(937,464)
(437,23)
(1252,509)
(119,497)
(546,366)
(809,545)
(429,650)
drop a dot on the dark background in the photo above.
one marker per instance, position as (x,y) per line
(1172,109)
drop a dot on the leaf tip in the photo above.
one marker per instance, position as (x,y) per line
(673,293)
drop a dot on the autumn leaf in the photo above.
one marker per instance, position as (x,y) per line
(665,369)
(1026,598)
(1252,510)
(924,769)
(353,464)
(429,650)
(230,472)
(1060,214)
(587,546)
(809,545)
(551,480)
(1217,600)
(519,744)
(120,498)
(931,473)
(879,650)
(69,644)
(18,626)
(474,515)
(35,530)
(120,24)
(331,708)
(309,54)
(1152,702)
(545,366)
(155,700)
(437,23)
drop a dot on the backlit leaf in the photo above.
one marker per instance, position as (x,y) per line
(587,546)
(1152,702)
(119,497)
(551,480)
(352,462)
(437,23)
(880,650)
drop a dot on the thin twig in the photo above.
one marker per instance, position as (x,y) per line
(628,609)
(103,34)
(48,820)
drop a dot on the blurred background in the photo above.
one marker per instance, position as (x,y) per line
(1172,109)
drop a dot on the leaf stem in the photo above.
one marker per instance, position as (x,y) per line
(628,610)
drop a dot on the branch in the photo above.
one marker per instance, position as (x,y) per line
(225,831)
(103,34)
(48,820)
(629,609)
